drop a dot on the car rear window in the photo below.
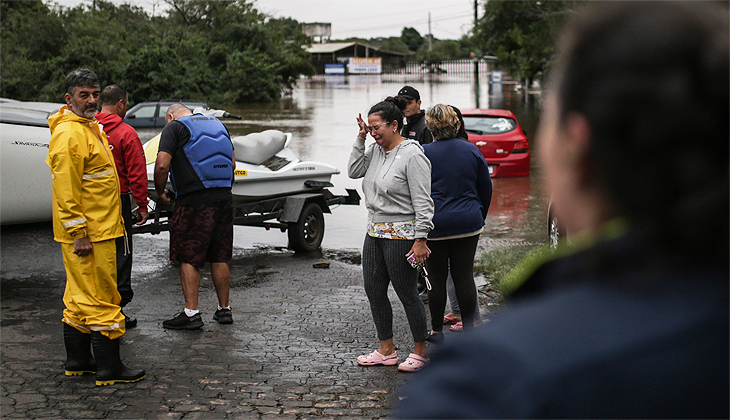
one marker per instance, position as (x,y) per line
(147,111)
(484,124)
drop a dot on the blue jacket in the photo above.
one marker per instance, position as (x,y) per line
(461,188)
(210,153)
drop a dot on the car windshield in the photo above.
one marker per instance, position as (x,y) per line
(484,124)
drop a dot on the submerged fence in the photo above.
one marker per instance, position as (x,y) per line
(400,66)
(465,66)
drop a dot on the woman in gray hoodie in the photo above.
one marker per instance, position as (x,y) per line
(397,188)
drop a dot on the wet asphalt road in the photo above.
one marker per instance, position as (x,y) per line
(290,352)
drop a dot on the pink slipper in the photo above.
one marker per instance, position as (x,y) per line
(413,363)
(449,320)
(458,327)
(375,358)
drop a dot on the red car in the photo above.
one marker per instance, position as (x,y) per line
(498,135)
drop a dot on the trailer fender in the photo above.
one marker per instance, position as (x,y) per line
(295,203)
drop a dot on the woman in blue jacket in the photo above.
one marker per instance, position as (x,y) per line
(461,191)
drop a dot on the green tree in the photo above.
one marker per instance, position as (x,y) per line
(411,38)
(202,50)
(395,44)
(520,33)
(31,35)
(441,51)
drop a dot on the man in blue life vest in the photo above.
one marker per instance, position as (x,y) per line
(197,152)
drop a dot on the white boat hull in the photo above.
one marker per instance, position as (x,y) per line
(25,179)
(257,183)
(252,188)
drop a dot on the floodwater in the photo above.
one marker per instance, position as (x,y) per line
(321,112)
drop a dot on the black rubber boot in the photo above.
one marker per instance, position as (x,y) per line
(111,370)
(129,322)
(78,352)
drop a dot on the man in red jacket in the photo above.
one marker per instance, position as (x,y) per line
(132,169)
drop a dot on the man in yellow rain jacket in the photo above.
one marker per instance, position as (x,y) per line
(86,220)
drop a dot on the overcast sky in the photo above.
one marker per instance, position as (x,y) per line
(450,19)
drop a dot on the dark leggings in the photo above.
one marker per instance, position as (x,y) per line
(124,254)
(457,255)
(383,263)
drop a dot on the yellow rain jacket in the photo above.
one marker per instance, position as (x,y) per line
(85,184)
(86,204)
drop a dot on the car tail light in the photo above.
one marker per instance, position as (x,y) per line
(521,147)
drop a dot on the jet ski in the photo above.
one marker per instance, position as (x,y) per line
(265,168)
(272,188)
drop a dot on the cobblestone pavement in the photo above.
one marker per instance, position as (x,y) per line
(290,353)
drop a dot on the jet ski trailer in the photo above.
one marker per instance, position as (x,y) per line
(272,188)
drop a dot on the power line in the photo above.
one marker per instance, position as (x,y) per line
(404,24)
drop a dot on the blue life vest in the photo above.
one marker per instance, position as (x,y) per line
(210,153)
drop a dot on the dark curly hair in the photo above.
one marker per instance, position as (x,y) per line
(390,109)
(652,80)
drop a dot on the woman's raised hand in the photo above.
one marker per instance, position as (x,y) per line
(363,127)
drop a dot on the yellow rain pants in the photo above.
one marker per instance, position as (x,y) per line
(91,296)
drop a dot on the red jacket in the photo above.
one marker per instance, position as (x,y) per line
(128,155)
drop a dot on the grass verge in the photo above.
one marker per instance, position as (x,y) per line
(503,264)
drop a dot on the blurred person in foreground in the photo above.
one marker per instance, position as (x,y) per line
(461,190)
(87,219)
(632,320)
(131,166)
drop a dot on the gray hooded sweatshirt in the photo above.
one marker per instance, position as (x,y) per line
(397,188)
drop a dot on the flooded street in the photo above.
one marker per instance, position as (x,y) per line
(321,114)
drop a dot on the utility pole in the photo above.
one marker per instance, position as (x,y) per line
(430,37)
(476,18)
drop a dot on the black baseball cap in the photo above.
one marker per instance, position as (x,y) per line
(409,92)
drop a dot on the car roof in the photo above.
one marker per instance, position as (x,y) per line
(170,102)
(48,107)
(28,113)
(488,112)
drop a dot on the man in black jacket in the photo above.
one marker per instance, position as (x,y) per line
(415,129)
(416,124)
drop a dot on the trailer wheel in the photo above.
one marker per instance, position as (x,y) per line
(306,234)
